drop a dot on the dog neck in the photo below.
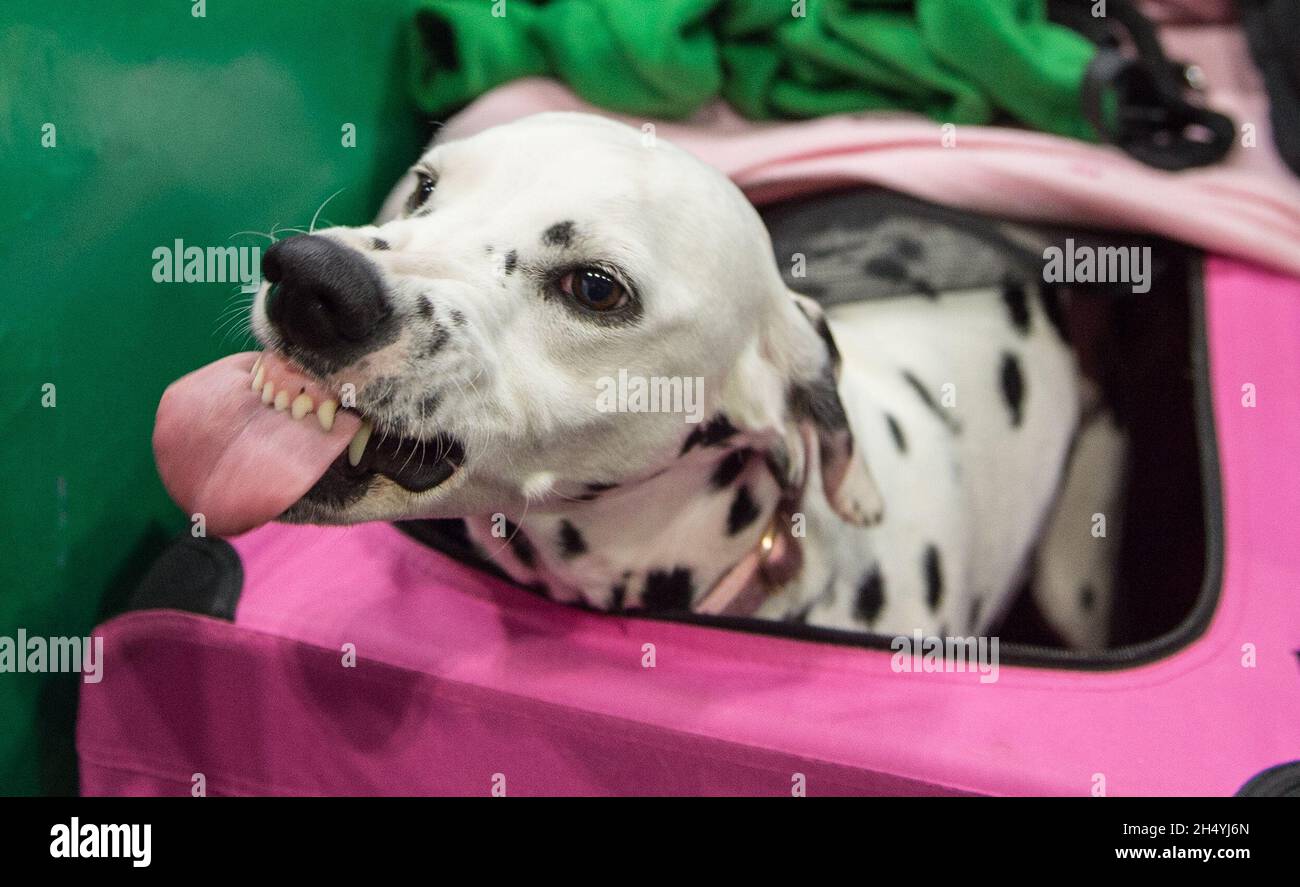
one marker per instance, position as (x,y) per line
(663,543)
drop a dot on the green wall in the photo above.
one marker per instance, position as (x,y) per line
(167,126)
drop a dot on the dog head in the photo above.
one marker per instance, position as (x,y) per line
(472,334)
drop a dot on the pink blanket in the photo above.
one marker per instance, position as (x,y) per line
(1247,207)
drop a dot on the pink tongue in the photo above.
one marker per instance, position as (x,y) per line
(222,453)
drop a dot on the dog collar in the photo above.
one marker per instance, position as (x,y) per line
(773,562)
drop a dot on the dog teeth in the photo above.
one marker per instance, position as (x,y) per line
(358,444)
(325,414)
(302,405)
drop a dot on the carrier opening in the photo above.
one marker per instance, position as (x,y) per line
(1142,340)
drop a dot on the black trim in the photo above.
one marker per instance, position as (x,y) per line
(1282,781)
(200,575)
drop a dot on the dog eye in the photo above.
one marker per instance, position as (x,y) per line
(423,188)
(594,289)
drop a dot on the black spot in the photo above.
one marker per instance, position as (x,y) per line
(379,243)
(1013,296)
(1052,308)
(380,394)
(668,591)
(425,309)
(571,542)
(429,405)
(457,317)
(925,288)
(438,337)
(438,39)
(1013,385)
(520,545)
(559,234)
(893,269)
(896,430)
(744,511)
(512,261)
(729,468)
(871,596)
(933,577)
(1087,597)
(909,248)
(886,267)
(617,595)
(824,331)
(709,434)
(819,401)
(945,416)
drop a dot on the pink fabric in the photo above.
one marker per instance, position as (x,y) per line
(1235,209)
(460,677)
(1235,87)
(1190,11)
(1185,11)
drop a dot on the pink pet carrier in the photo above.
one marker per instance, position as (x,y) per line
(361,660)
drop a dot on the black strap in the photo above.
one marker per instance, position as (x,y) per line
(1153,120)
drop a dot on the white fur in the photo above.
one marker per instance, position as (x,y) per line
(516,382)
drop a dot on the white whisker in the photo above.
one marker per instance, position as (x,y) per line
(311,229)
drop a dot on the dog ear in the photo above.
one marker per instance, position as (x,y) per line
(787,390)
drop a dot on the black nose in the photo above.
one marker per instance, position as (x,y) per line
(325,298)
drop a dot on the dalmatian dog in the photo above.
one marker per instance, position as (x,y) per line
(886,466)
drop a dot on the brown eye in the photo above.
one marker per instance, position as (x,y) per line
(594,289)
(424,184)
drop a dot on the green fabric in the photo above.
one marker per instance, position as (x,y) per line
(957,61)
(166,126)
